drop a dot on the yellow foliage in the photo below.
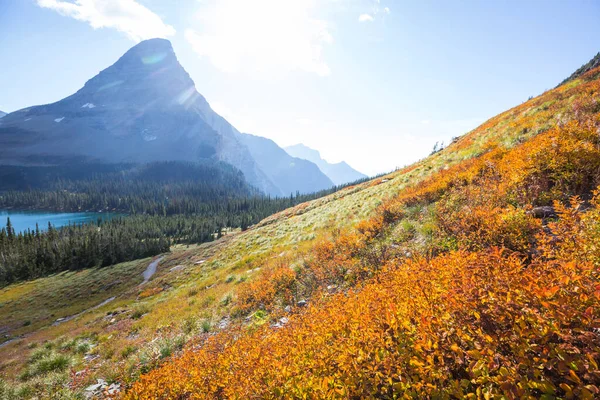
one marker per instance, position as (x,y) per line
(498,305)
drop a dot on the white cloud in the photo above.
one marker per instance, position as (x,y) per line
(126,16)
(263,37)
(365,18)
(305,121)
(375,10)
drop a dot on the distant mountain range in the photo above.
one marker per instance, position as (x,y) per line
(2,114)
(288,173)
(146,108)
(339,173)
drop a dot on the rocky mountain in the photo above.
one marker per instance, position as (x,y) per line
(2,114)
(339,173)
(288,173)
(143,108)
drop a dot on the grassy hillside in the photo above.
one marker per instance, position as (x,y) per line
(434,281)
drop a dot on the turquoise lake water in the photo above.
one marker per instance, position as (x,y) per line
(23,220)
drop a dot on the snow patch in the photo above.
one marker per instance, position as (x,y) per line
(27,119)
(88,105)
(59,119)
(148,137)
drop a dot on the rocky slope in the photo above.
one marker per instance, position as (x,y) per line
(593,63)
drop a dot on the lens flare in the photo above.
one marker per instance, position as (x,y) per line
(154,58)
(187,97)
(110,85)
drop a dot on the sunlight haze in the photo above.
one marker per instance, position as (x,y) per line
(340,76)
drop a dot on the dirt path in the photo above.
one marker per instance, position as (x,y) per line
(151,270)
(58,322)
(70,317)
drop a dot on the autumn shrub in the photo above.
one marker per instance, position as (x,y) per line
(457,324)
(491,302)
(260,293)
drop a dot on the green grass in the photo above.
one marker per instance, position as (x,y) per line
(29,306)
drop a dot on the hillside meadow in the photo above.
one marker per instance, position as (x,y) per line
(435,281)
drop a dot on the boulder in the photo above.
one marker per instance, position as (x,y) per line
(544,212)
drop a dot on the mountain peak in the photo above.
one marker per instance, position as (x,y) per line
(150,52)
(305,151)
(153,43)
(149,72)
(339,173)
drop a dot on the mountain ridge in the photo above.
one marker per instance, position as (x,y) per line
(273,158)
(593,63)
(339,173)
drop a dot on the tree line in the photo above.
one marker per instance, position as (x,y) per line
(167,203)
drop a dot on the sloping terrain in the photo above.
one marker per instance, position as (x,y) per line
(453,288)
(592,64)
(436,280)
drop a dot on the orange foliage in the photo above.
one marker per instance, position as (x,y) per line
(461,323)
(509,310)
(261,292)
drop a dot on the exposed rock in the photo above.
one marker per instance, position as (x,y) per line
(593,63)
(113,389)
(281,323)
(288,309)
(544,212)
(177,268)
(224,323)
(90,357)
(301,303)
(96,390)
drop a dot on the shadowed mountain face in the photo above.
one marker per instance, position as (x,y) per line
(290,174)
(339,173)
(143,108)
(2,114)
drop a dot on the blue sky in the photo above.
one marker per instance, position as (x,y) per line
(374,83)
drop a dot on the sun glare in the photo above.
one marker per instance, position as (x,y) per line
(264,36)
